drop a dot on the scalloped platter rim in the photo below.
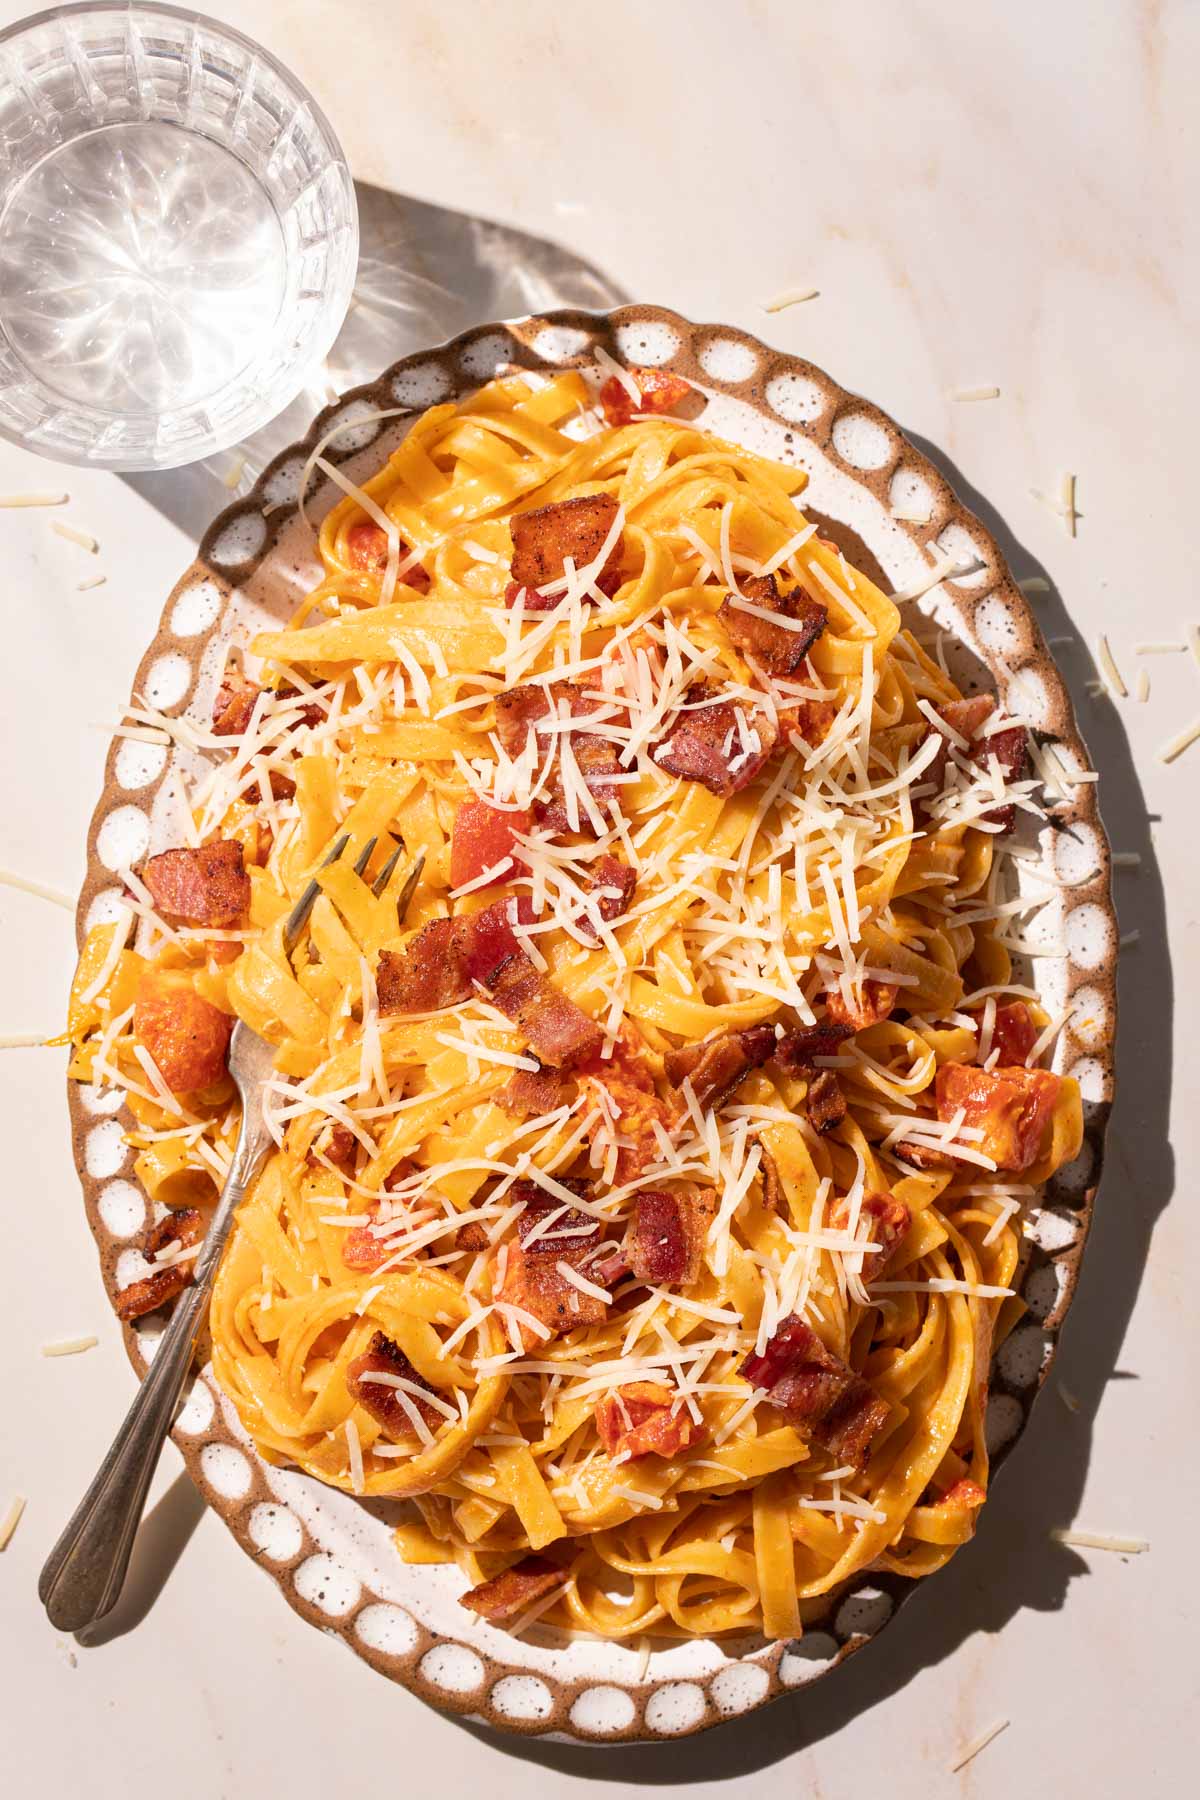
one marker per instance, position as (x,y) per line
(891,509)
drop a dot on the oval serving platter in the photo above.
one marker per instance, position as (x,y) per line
(894,515)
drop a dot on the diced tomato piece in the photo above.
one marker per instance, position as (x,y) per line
(639,1420)
(186,1035)
(660,390)
(367,549)
(483,837)
(1014,1034)
(1012,1108)
(877,1001)
(362,1248)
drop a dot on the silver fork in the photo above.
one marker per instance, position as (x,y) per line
(84,1573)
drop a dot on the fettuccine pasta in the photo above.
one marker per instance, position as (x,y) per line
(655,1106)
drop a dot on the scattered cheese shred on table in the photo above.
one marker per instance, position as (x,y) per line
(1193,639)
(1101,1540)
(789,297)
(9,878)
(234,472)
(1131,937)
(1112,674)
(1159,649)
(84,539)
(1034,584)
(22,1040)
(910,518)
(70,1346)
(975,393)
(1142,688)
(1068,503)
(10,1521)
(1178,745)
(1069,1400)
(34,499)
(92,581)
(972,1750)
(1126,859)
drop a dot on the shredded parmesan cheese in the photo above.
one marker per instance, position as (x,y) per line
(1101,1540)
(15,500)
(789,297)
(971,1750)
(1112,674)
(84,539)
(975,393)
(70,1346)
(1177,745)
(10,1521)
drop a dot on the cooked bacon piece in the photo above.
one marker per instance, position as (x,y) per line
(532,1092)
(234,704)
(533,1279)
(518,711)
(665,1244)
(426,975)
(963,1493)
(624,1087)
(618,880)
(178,1230)
(544,538)
(472,1236)
(887,1220)
(186,1035)
(874,1004)
(825,1102)
(557,1030)
(338,1145)
(800,1049)
(661,392)
(1013,1033)
(536,1285)
(1012,1107)
(640,1420)
(439,963)
(779,648)
(818,1393)
(382,1398)
(1009,747)
(482,839)
(367,549)
(723,744)
(807,719)
(774,1198)
(719,1063)
(203,886)
(504,1596)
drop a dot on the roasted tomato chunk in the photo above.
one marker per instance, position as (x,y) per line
(645,1418)
(187,1036)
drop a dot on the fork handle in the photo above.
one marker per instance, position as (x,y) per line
(85,1571)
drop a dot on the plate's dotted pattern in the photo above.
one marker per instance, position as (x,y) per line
(797,413)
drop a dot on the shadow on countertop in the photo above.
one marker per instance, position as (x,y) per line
(425,273)
(1012,1562)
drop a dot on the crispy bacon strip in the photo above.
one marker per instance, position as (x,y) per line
(717,1065)
(367,549)
(379,1398)
(207,885)
(807,719)
(1012,1107)
(780,649)
(1014,1033)
(874,1003)
(714,742)
(534,1282)
(661,392)
(609,872)
(818,1393)
(186,1035)
(506,1595)
(774,1198)
(532,1092)
(887,1220)
(544,538)
(233,704)
(338,1144)
(640,1420)
(1009,747)
(518,711)
(825,1102)
(362,1249)
(665,1243)
(439,963)
(483,838)
(800,1049)
(557,1030)
(180,1230)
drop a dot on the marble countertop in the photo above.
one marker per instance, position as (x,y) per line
(982,195)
